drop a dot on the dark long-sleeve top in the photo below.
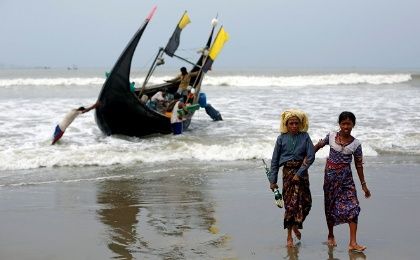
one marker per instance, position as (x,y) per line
(292,147)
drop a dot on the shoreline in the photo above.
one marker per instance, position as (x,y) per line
(215,212)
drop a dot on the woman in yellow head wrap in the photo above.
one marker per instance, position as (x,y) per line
(294,151)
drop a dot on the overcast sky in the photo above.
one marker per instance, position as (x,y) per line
(279,34)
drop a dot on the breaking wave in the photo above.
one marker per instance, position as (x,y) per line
(229,80)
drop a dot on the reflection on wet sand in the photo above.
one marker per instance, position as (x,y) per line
(331,253)
(169,218)
(352,255)
(357,256)
(293,252)
(119,212)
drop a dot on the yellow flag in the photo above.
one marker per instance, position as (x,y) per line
(184,21)
(221,38)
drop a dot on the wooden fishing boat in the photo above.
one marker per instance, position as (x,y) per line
(121,110)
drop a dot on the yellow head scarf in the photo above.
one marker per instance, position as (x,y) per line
(287,114)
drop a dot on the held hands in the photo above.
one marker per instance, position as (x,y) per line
(320,143)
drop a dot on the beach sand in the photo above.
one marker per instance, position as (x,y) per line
(216,211)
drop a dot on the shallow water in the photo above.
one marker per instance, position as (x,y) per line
(199,211)
(202,194)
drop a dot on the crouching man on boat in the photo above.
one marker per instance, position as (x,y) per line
(158,101)
(68,119)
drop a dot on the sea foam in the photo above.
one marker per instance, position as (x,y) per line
(228,80)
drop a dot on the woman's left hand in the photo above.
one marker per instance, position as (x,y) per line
(366,191)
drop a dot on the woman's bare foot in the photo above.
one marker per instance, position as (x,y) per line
(290,243)
(331,241)
(357,248)
(297,233)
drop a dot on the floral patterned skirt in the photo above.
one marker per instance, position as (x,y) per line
(340,196)
(297,197)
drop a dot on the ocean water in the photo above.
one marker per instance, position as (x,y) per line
(34,101)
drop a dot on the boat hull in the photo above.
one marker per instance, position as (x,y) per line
(122,113)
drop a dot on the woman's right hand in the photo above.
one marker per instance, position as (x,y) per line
(273,186)
(319,145)
(320,142)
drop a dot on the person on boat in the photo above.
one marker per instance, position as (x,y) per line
(340,197)
(190,96)
(158,100)
(294,151)
(184,81)
(68,119)
(144,98)
(176,119)
(133,87)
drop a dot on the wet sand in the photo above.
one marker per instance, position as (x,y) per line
(219,211)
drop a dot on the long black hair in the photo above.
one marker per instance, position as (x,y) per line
(347,115)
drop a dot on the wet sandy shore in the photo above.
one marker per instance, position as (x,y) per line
(216,211)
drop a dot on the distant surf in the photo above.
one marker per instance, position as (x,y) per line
(386,106)
(229,80)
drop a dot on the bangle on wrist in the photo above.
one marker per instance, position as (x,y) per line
(363,183)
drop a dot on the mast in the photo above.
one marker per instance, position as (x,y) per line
(157,61)
(203,59)
(170,49)
(184,59)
